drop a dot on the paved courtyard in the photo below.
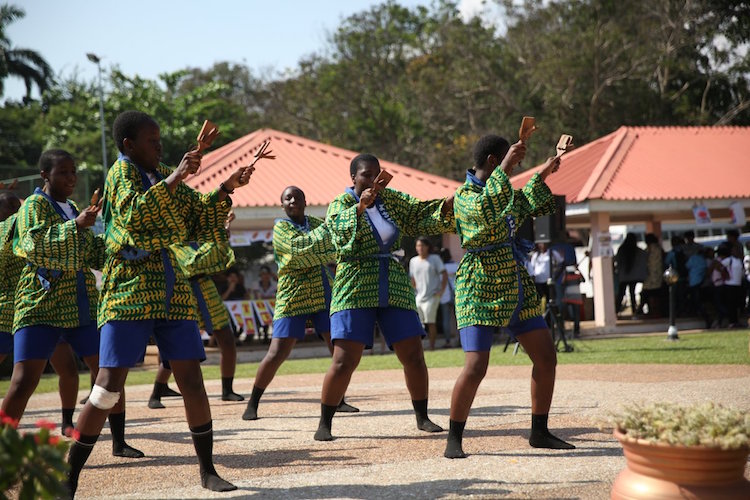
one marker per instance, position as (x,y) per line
(379,453)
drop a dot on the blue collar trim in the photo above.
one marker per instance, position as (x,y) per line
(471,177)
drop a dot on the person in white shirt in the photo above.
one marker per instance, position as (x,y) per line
(732,287)
(539,268)
(429,279)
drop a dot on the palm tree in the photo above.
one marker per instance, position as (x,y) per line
(23,63)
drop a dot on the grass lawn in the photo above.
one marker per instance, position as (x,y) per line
(702,348)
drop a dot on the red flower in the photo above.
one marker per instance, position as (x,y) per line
(53,440)
(6,420)
(45,424)
(73,433)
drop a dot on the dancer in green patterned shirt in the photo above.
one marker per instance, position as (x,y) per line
(10,270)
(54,241)
(301,247)
(148,208)
(62,359)
(372,286)
(493,288)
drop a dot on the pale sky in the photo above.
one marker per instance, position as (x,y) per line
(152,37)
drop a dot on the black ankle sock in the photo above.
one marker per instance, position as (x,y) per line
(423,421)
(453,448)
(326,418)
(345,407)
(77,456)
(67,418)
(203,441)
(256,395)
(226,385)
(251,412)
(539,422)
(119,447)
(158,391)
(227,393)
(541,437)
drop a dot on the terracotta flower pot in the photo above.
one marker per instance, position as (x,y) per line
(662,471)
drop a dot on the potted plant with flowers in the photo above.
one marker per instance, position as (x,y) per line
(32,464)
(675,452)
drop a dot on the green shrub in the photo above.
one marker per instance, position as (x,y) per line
(33,461)
(706,424)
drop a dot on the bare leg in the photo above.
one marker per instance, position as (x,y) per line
(432,334)
(411,355)
(538,345)
(116,418)
(277,353)
(467,384)
(228,363)
(63,361)
(161,389)
(90,423)
(23,382)
(346,357)
(343,407)
(475,368)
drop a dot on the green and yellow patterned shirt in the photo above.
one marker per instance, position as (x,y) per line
(10,271)
(301,253)
(142,222)
(198,263)
(57,281)
(366,274)
(490,281)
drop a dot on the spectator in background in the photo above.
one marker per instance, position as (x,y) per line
(539,267)
(264,289)
(429,279)
(234,288)
(732,288)
(696,266)
(746,264)
(652,285)
(733,240)
(676,259)
(567,278)
(448,299)
(631,267)
(690,247)
(718,274)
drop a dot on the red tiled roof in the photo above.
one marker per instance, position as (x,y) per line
(320,170)
(655,163)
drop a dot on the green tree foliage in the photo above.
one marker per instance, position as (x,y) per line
(176,101)
(419,85)
(21,142)
(19,62)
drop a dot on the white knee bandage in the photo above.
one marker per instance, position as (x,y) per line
(102,398)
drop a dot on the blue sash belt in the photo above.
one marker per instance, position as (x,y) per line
(47,275)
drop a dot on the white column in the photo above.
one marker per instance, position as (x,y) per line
(605,315)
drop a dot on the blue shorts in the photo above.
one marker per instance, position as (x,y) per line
(40,341)
(358,325)
(123,342)
(479,337)
(6,343)
(294,326)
